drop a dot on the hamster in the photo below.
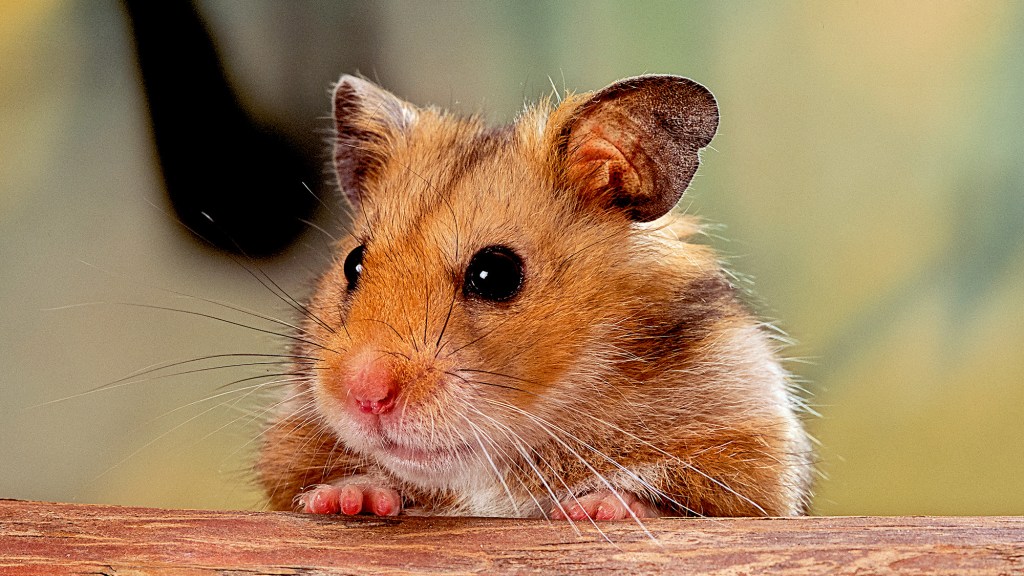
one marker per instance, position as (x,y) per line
(519,325)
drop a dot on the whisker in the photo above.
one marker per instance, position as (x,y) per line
(517,441)
(392,328)
(273,287)
(479,338)
(509,376)
(162,436)
(282,294)
(226,321)
(509,460)
(395,353)
(133,378)
(334,216)
(215,302)
(270,375)
(437,345)
(318,228)
(468,381)
(687,465)
(550,428)
(426,315)
(261,414)
(257,386)
(501,477)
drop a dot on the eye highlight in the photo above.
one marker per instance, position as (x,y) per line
(494,273)
(354,266)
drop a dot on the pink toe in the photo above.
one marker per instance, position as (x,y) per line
(578,512)
(643,510)
(384,502)
(351,500)
(321,500)
(607,511)
(604,505)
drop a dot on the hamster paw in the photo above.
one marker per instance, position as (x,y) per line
(603,505)
(350,497)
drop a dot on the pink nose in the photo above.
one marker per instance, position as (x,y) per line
(379,406)
(373,388)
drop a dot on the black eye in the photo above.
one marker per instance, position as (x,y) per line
(494,273)
(354,266)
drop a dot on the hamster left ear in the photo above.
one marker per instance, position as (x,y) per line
(368,120)
(633,145)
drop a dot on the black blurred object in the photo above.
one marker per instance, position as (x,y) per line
(235,183)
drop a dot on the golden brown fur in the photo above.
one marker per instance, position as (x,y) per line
(627,361)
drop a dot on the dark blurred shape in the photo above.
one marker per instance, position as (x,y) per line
(233,182)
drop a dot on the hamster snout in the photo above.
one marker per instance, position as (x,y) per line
(376,389)
(371,384)
(518,324)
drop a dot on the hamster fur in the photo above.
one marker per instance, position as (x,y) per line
(621,378)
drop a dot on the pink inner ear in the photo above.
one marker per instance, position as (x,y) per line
(634,145)
(604,162)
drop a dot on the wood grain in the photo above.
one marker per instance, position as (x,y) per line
(43,538)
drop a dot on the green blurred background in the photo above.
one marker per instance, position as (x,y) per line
(868,172)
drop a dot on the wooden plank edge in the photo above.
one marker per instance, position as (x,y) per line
(58,538)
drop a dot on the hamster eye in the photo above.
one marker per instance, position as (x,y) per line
(495,273)
(354,266)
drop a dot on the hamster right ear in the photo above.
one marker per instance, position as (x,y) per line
(367,122)
(633,147)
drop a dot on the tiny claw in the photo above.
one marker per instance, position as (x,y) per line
(321,499)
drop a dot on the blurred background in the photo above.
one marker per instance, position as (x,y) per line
(868,174)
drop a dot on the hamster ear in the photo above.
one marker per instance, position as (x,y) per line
(367,121)
(633,145)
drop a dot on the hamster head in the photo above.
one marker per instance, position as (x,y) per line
(515,295)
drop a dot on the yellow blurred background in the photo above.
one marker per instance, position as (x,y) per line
(868,173)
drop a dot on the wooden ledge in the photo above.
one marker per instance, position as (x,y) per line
(44,538)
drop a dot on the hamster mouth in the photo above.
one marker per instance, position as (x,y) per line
(423,456)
